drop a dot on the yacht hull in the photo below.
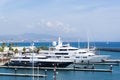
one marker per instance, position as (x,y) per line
(39,64)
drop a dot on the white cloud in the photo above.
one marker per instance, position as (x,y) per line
(56,26)
(58,23)
(50,24)
(59,26)
(3,19)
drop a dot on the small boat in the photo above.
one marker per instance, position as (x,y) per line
(33,59)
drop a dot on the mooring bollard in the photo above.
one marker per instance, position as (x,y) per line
(15,70)
(110,67)
(54,76)
(45,73)
(93,66)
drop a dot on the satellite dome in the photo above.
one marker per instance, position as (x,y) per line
(54,43)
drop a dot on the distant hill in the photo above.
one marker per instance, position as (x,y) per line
(27,37)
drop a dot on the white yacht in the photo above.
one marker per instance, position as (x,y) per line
(36,60)
(67,52)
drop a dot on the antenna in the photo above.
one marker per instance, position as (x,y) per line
(33,66)
(33,59)
(88,43)
(78,43)
(59,41)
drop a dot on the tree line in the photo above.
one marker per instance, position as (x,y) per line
(11,45)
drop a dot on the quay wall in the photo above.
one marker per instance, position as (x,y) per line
(108,49)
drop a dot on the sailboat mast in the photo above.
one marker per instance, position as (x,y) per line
(33,61)
(33,66)
(78,43)
(88,43)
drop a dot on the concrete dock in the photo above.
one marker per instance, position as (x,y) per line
(65,69)
(112,60)
(101,63)
(23,75)
(79,69)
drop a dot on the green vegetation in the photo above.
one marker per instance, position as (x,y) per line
(11,45)
(2,47)
(10,48)
(24,49)
(43,47)
(16,50)
(37,49)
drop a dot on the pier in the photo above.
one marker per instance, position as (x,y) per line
(23,75)
(63,69)
(106,62)
(112,60)
(79,69)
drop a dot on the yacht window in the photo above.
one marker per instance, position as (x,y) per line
(16,61)
(62,49)
(61,53)
(45,53)
(82,52)
(66,57)
(77,57)
(90,55)
(24,61)
(53,56)
(41,57)
(84,57)
(72,49)
(48,56)
(15,57)
(65,46)
(58,56)
(26,57)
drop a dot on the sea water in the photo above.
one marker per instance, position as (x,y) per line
(70,75)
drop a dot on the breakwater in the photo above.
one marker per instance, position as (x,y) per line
(108,49)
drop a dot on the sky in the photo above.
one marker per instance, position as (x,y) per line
(98,19)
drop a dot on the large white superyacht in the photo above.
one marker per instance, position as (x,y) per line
(33,59)
(67,52)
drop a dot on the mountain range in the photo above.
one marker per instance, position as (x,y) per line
(27,37)
(31,37)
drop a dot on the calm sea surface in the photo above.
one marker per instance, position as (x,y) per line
(71,75)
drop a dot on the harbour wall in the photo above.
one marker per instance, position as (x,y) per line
(108,49)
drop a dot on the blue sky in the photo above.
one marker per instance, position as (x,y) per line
(66,18)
